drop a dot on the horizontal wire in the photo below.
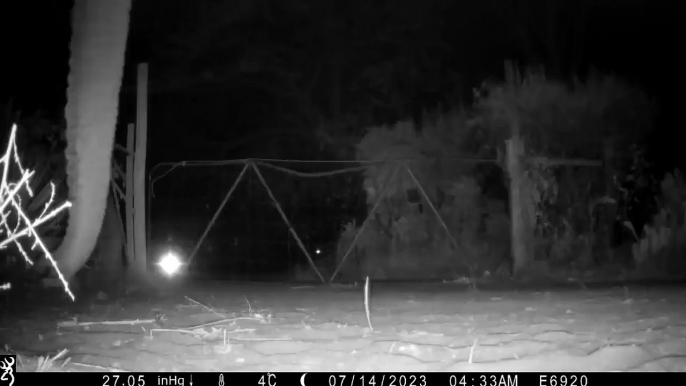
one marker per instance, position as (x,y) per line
(267,162)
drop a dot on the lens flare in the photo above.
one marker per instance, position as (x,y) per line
(170,263)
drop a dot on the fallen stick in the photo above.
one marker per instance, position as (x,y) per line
(205,307)
(74,323)
(180,331)
(45,363)
(210,324)
(200,331)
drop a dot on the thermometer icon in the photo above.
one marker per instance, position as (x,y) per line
(221,379)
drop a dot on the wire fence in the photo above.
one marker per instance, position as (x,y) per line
(272,216)
(258,219)
(255,229)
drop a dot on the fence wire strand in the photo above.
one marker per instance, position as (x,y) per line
(269,162)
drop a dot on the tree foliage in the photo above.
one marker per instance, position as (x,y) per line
(567,120)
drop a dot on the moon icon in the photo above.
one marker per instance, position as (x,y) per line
(302,380)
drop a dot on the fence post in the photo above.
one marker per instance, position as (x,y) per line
(518,213)
(513,159)
(610,209)
(128,188)
(140,154)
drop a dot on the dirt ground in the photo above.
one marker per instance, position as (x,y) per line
(416,327)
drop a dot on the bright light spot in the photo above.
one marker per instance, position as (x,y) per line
(318,251)
(170,263)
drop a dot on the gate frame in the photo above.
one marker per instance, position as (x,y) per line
(250,163)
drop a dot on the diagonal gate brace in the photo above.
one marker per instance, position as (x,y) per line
(364,224)
(440,219)
(217,213)
(285,219)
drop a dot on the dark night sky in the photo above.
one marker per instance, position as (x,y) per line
(638,39)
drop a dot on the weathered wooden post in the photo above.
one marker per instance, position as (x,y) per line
(518,213)
(130,151)
(516,170)
(610,207)
(140,153)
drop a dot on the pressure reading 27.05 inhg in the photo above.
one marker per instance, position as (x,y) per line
(483,380)
(127,380)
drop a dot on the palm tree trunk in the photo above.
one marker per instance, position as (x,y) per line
(98,46)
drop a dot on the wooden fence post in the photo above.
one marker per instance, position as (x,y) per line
(610,209)
(140,245)
(128,186)
(518,213)
(516,171)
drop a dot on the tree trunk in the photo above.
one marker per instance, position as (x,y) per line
(98,45)
(107,272)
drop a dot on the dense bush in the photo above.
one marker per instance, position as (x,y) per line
(572,209)
(405,237)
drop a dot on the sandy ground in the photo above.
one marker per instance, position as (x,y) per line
(416,327)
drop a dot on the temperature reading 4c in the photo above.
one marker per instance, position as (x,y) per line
(268,379)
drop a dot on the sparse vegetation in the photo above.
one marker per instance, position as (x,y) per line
(18,224)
